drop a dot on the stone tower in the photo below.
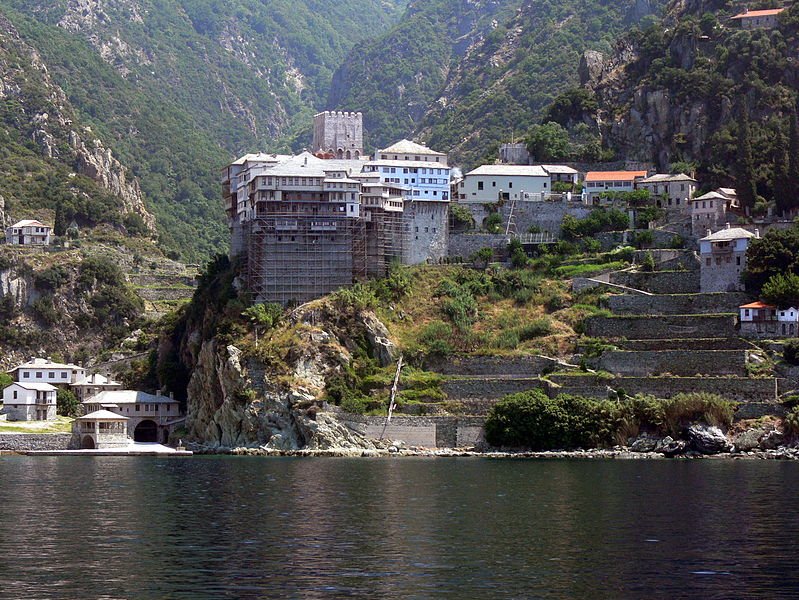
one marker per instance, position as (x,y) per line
(338,133)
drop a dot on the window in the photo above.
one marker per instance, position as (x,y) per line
(26,375)
(38,374)
(15,394)
(746,312)
(738,260)
(510,185)
(479,185)
(51,375)
(63,374)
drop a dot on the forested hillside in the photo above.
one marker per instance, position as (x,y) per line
(697,90)
(467,75)
(178,87)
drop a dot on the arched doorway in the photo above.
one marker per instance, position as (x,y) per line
(87,443)
(146,431)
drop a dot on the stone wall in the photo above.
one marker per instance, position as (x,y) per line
(429,432)
(755,410)
(23,442)
(469,366)
(164,294)
(675,362)
(427,236)
(661,327)
(463,245)
(677,344)
(487,389)
(676,304)
(659,282)
(732,388)
(611,239)
(547,216)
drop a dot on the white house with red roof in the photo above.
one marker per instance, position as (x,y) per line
(28,233)
(759,319)
(758,19)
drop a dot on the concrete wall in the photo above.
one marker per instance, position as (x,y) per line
(676,304)
(659,282)
(661,327)
(731,388)
(23,442)
(675,362)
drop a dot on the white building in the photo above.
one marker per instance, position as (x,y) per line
(493,183)
(94,384)
(44,370)
(671,192)
(562,174)
(758,19)
(101,430)
(28,233)
(759,319)
(723,259)
(149,417)
(599,182)
(426,176)
(29,402)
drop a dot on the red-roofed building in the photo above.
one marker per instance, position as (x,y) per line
(759,319)
(597,182)
(758,19)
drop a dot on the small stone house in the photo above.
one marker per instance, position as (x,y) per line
(672,192)
(92,385)
(708,212)
(722,258)
(758,19)
(28,233)
(29,402)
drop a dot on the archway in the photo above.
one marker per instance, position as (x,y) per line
(349,155)
(146,431)
(87,443)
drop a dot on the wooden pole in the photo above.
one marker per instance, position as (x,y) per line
(392,403)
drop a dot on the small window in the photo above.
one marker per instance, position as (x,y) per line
(15,394)
(63,374)
(479,185)
(38,374)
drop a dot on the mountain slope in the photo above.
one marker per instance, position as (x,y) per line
(480,70)
(178,87)
(674,93)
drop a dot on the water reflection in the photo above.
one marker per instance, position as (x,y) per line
(262,528)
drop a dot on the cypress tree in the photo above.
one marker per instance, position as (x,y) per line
(781,184)
(60,225)
(792,182)
(745,179)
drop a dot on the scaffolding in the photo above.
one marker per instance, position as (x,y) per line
(385,240)
(295,257)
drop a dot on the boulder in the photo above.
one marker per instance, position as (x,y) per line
(707,439)
(674,448)
(645,443)
(748,440)
(771,440)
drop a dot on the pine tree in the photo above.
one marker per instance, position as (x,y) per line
(745,181)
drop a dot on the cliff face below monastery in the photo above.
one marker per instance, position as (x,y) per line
(271,396)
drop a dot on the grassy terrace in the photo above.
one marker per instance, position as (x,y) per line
(60,425)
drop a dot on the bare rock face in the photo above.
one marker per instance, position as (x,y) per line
(590,68)
(3,223)
(707,439)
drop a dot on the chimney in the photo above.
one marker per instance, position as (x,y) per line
(708,232)
(171,395)
(728,225)
(757,234)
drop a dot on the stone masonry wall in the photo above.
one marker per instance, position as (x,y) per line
(659,282)
(547,216)
(675,362)
(439,432)
(427,230)
(487,389)
(676,304)
(661,327)
(677,344)
(23,442)
(732,388)
(469,366)
(463,245)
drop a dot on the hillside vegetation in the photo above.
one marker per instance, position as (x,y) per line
(178,87)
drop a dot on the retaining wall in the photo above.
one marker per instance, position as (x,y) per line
(23,442)
(676,304)
(661,326)
(547,216)
(675,362)
(731,388)
(463,245)
(488,389)
(755,410)
(678,344)
(163,294)
(659,282)
(428,432)
(525,366)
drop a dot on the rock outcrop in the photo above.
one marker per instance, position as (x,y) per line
(707,439)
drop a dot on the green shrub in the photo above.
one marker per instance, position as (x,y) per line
(535,329)
(435,339)
(530,420)
(791,422)
(51,278)
(790,352)
(67,403)
(506,340)
(493,223)
(684,409)
(43,309)
(98,270)
(648,263)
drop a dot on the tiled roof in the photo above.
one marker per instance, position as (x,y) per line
(510,170)
(614,175)
(730,233)
(666,177)
(408,147)
(750,14)
(757,304)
